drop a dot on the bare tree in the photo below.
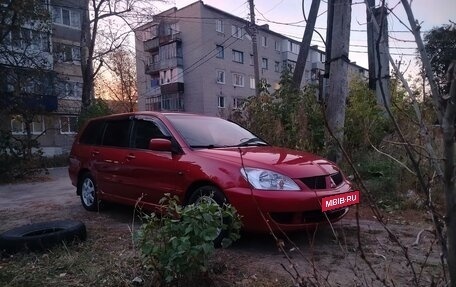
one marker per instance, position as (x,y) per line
(118,83)
(106,25)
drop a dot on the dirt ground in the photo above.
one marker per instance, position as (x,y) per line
(320,258)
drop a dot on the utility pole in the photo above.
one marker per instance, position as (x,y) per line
(253,33)
(338,74)
(370,5)
(382,76)
(305,44)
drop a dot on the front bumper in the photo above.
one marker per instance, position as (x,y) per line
(284,210)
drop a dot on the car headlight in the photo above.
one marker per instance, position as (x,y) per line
(268,180)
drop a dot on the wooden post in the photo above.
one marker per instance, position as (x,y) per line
(338,75)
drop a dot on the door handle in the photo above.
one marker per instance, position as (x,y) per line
(131,156)
(95,153)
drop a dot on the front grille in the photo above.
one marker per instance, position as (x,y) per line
(319,182)
(315,182)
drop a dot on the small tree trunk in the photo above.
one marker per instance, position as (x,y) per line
(449,174)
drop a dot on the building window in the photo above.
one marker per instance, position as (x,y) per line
(68,124)
(237,103)
(264,41)
(251,59)
(220,52)
(237,31)
(219,25)
(264,63)
(71,90)
(27,39)
(220,77)
(18,126)
(238,80)
(66,17)
(238,56)
(221,101)
(67,53)
(252,83)
(277,46)
(276,66)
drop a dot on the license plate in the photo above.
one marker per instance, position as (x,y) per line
(340,200)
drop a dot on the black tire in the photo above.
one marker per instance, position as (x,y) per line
(41,236)
(212,193)
(87,189)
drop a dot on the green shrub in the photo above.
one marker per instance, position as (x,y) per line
(177,244)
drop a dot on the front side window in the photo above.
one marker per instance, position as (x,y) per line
(238,80)
(238,56)
(68,124)
(144,131)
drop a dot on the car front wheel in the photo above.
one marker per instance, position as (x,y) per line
(211,194)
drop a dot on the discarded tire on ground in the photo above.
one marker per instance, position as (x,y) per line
(43,235)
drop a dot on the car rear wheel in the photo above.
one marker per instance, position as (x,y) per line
(211,194)
(88,191)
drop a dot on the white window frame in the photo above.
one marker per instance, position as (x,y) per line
(264,63)
(220,52)
(277,66)
(74,17)
(237,103)
(237,31)
(238,80)
(37,127)
(221,102)
(219,25)
(277,46)
(238,56)
(264,41)
(220,76)
(252,83)
(69,130)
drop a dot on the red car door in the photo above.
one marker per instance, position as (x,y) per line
(152,173)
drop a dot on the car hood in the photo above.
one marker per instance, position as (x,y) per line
(293,163)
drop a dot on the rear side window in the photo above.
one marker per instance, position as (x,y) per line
(117,133)
(92,133)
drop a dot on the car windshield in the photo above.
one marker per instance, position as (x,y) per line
(211,132)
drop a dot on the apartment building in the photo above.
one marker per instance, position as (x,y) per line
(199,59)
(41,61)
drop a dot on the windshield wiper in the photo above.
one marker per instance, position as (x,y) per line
(252,141)
(205,146)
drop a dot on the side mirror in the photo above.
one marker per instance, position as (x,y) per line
(160,145)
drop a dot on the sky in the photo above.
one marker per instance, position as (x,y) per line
(286,17)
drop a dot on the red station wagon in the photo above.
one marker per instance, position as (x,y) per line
(122,158)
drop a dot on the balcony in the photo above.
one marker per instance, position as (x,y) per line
(172,88)
(154,68)
(31,101)
(153,44)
